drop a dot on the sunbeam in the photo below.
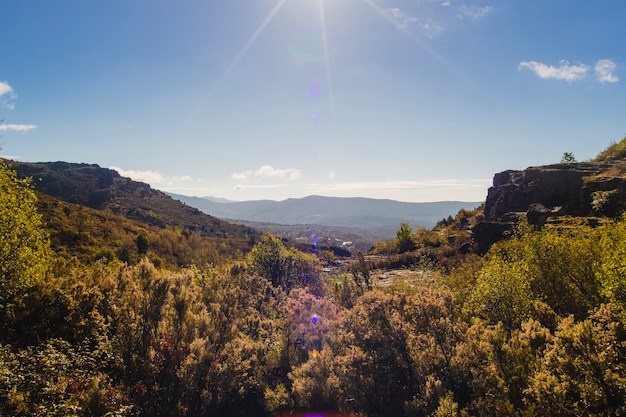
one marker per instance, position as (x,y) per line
(247,46)
(428,49)
(240,55)
(329,79)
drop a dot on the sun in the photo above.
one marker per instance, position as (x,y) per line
(321,11)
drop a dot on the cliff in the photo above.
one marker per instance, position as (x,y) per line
(591,190)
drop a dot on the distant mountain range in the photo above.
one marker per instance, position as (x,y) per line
(329,211)
(361,221)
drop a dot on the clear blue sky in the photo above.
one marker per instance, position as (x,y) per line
(413,100)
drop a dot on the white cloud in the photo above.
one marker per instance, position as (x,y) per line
(605,69)
(153,178)
(17,127)
(267,171)
(150,177)
(564,71)
(5,88)
(473,11)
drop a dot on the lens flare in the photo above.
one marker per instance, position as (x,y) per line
(315,90)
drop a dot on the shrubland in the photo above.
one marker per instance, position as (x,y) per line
(535,327)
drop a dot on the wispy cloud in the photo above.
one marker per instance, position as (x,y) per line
(267,171)
(564,71)
(605,69)
(17,127)
(7,95)
(473,12)
(402,20)
(432,28)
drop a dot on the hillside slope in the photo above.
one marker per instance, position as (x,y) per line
(99,188)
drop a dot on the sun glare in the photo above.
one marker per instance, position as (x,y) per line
(329,79)
(321,38)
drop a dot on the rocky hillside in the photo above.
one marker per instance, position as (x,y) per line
(594,190)
(104,189)
(576,189)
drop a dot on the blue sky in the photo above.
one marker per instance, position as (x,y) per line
(412,100)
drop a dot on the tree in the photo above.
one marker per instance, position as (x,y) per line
(24,244)
(568,158)
(404,238)
(284,267)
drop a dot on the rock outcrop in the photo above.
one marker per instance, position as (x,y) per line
(584,189)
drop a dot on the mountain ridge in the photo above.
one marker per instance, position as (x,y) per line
(358,212)
(104,189)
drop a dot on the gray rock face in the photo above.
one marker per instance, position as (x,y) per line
(568,186)
(576,189)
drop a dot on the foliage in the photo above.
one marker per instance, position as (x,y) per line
(568,158)
(404,238)
(611,268)
(583,371)
(426,237)
(613,151)
(605,202)
(387,353)
(384,247)
(462,218)
(284,267)
(24,245)
(54,379)
(534,269)
(90,235)
(502,293)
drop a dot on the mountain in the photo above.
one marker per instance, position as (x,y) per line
(331,211)
(104,189)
